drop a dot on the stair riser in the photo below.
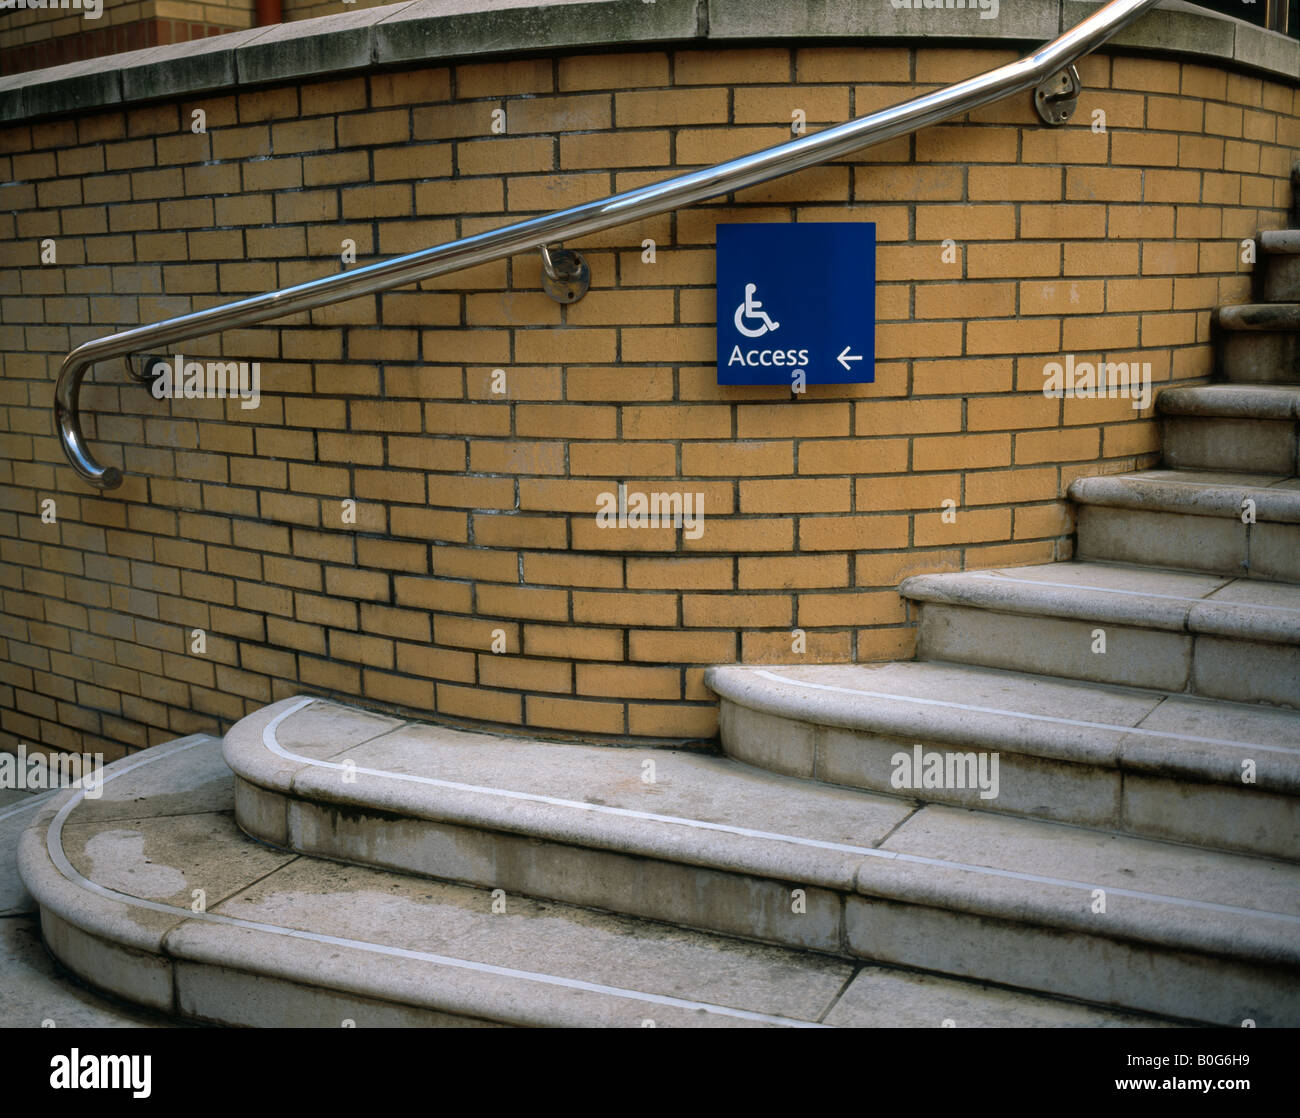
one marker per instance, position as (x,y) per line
(1214,667)
(1070,963)
(1259,357)
(256,1001)
(1223,816)
(1281,277)
(1134,976)
(1216,545)
(1249,445)
(137,976)
(690,896)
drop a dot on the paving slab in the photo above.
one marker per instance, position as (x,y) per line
(167,858)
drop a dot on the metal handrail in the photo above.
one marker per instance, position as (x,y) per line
(591,217)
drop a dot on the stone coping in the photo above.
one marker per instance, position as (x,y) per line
(436,31)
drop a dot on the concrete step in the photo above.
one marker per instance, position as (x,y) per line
(286,940)
(1174,631)
(1278,262)
(1193,520)
(1242,427)
(1185,932)
(1140,762)
(1258,343)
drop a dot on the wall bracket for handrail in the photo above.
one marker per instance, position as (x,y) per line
(537,233)
(565,274)
(1056,98)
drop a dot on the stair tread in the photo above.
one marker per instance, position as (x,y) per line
(1117,593)
(373,942)
(1235,401)
(718,813)
(1217,493)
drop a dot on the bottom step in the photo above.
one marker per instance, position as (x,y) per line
(150,892)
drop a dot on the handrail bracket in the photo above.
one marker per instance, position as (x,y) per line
(138,367)
(1056,98)
(565,275)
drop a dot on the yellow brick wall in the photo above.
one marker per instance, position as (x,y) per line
(475,511)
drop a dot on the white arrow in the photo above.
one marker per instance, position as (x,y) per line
(845,357)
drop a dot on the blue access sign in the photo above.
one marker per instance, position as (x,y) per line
(797,303)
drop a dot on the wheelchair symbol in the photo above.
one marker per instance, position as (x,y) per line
(752,308)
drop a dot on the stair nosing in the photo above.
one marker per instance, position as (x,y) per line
(1259,318)
(1272,402)
(1187,498)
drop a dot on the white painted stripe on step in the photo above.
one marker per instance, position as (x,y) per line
(270,740)
(54,845)
(988,577)
(948,703)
